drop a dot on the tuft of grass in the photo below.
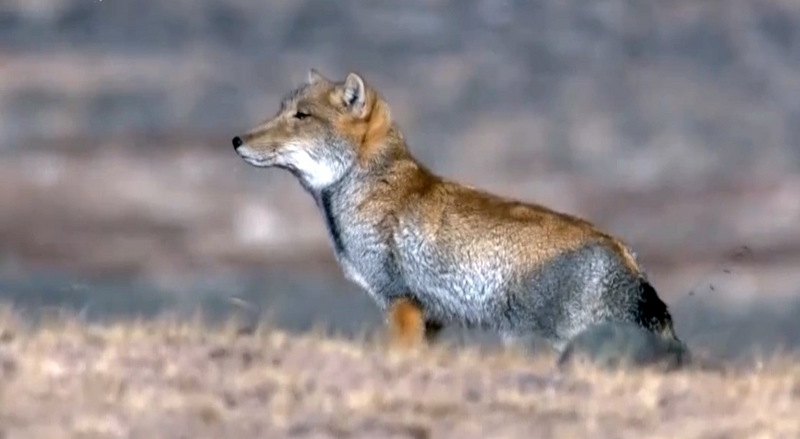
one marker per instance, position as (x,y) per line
(166,377)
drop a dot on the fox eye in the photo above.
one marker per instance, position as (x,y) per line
(300,115)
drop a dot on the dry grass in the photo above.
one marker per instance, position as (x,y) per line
(65,379)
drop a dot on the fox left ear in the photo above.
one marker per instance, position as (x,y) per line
(314,76)
(355,94)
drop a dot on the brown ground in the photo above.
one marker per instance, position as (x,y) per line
(169,379)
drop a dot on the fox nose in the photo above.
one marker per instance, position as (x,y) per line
(237,142)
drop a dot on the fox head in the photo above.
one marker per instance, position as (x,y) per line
(322,130)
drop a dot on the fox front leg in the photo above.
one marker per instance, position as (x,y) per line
(408,327)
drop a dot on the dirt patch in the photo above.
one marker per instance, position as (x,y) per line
(185,379)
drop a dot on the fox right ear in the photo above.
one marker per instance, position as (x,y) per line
(355,94)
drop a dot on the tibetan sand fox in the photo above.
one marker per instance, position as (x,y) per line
(432,252)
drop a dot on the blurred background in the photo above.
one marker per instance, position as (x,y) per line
(675,125)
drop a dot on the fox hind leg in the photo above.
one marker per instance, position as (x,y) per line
(408,327)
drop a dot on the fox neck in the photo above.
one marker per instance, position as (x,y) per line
(339,200)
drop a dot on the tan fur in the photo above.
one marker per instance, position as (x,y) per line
(370,132)
(437,198)
(376,134)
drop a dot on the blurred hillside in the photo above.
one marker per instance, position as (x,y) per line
(673,124)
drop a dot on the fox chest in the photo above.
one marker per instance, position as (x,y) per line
(353,272)
(365,261)
(362,253)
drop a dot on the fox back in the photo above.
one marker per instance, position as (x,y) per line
(432,252)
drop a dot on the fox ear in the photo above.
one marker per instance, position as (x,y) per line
(355,94)
(314,76)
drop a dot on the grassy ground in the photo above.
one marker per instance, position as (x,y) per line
(65,379)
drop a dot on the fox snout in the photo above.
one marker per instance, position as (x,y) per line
(259,154)
(251,156)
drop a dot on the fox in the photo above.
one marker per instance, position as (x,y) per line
(432,252)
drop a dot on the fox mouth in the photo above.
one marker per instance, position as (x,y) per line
(257,160)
